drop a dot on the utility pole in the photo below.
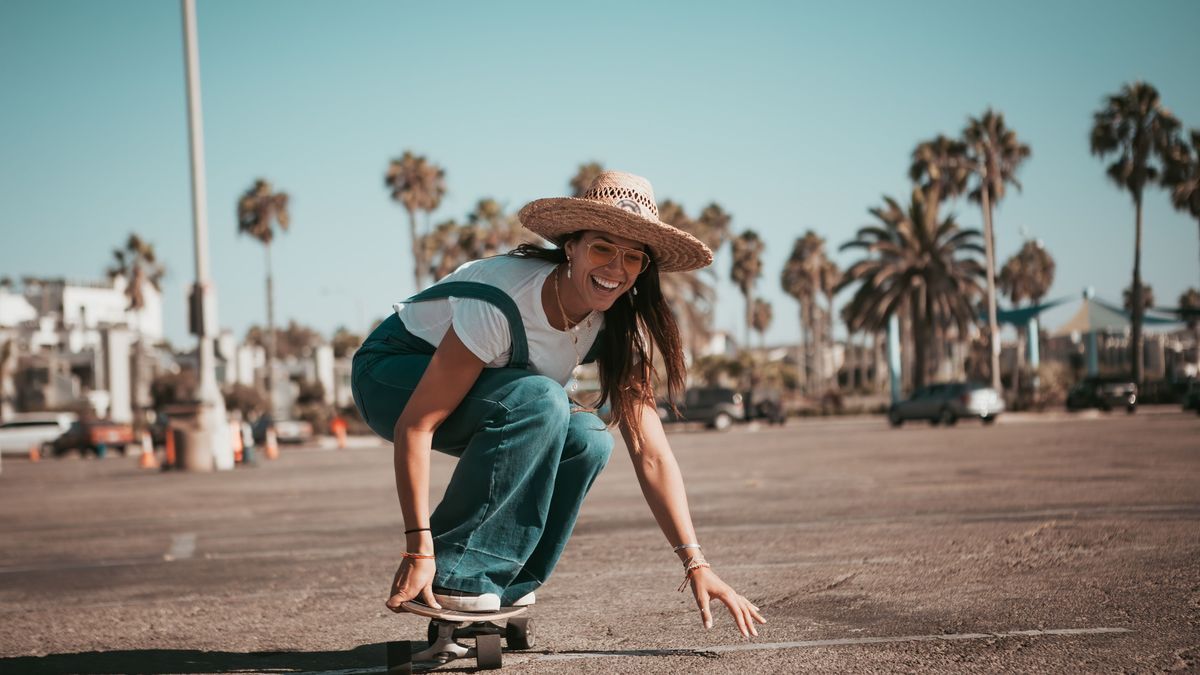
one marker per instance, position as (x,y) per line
(209,445)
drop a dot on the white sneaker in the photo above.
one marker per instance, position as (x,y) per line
(461,601)
(525,600)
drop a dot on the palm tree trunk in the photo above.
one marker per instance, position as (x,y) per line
(918,335)
(833,374)
(749,314)
(270,333)
(990,249)
(1136,356)
(418,257)
(802,356)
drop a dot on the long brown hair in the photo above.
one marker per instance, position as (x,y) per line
(625,361)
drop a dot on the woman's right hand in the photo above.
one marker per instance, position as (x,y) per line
(413,581)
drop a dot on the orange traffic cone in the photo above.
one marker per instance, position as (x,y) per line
(147,460)
(272,444)
(169,461)
(35,453)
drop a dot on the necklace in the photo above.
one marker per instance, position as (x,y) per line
(567,322)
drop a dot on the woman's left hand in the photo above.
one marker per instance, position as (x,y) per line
(707,586)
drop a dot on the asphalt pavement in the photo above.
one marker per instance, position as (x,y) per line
(1052,543)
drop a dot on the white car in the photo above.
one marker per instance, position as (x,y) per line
(27,430)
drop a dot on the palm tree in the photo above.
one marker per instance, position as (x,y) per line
(941,169)
(801,279)
(259,212)
(138,265)
(746,270)
(487,232)
(418,185)
(1147,297)
(760,320)
(712,227)
(584,175)
(930,271)
(1027,275)
(690,294)
(830,277)
(1134,125)
(995,154)
(1183,175)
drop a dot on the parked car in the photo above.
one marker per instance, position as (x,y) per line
(27,430)
(1104,393)
(1191,397)
(286,431)
(947,403)
(92,435)
(717,407)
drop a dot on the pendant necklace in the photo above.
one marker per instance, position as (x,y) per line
(567,322)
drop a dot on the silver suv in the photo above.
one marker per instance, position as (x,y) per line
(947,403)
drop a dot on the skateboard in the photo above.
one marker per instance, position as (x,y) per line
(448,628)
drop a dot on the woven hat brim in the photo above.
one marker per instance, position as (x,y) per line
(673,249)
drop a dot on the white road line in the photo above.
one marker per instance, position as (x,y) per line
(182,546)
(514,659)
(802,644)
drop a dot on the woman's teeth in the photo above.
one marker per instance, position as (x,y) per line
(604,284)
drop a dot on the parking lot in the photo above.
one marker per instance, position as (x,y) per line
(1061,543)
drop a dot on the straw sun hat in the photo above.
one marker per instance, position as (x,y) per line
(621,204)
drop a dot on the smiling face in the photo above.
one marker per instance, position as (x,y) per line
(596,283)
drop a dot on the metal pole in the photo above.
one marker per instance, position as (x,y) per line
(1033,349)
(209,445)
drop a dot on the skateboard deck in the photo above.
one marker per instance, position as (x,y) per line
(447,630)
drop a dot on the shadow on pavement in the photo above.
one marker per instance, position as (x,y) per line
(182,661)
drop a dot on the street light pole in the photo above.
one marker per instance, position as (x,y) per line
(209,444)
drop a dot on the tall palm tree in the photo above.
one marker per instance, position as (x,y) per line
(418,185)
(260,211)
(1027,275)
(1135,126)
(1147,297)
(138,265)
(995,154)
(830,279)
(713,227)
(760,320)
(584,175)
(801,280)
(487,232)
(931,271)
(1183,175)
(690,294)
(746,270)
(941,169)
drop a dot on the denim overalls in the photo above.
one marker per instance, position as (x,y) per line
(525,459)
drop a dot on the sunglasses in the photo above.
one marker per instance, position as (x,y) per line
(601,253)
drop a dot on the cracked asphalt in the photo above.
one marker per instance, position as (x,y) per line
(1052,543)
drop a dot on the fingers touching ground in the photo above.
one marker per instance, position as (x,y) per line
(744,613)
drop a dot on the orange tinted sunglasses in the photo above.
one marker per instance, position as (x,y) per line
(600,253)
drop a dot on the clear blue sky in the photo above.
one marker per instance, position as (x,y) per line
(791,115)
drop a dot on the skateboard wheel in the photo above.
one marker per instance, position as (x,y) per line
(399,658)
(517,634)
(487,652)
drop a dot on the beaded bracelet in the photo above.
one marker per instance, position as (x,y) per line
(687,574)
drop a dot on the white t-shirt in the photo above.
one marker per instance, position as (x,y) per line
(483,328)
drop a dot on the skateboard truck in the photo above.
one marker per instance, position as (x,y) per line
(446,630)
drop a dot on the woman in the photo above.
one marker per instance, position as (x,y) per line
(475,366)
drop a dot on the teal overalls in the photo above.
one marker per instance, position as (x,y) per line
(526,461)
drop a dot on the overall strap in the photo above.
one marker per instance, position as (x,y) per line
(475,290)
